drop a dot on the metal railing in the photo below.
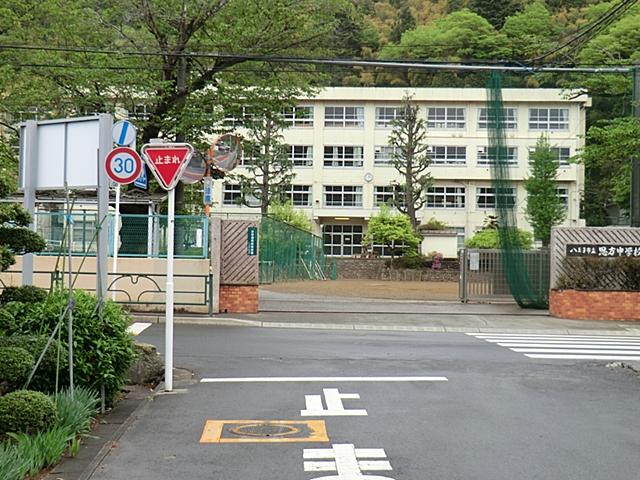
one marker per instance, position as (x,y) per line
(140,235)
(482,276)
(136,288)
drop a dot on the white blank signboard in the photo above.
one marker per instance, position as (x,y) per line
(67,154)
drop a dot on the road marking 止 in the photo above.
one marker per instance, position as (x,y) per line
(136,328)
(346,462)
(569,347)
(321,379)
(333,398)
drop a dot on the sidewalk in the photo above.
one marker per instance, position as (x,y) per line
(286,310)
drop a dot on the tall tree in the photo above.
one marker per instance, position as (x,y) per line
(147,58)
(269,168)
(404,21)
(544,207)
(495,12)
(15,237)
(411,160)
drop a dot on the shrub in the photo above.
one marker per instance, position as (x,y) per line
(15,367)
(586,273)
(433,224)
(40,450)
(45,377)
(103,349)
(490,238)
(412,259)
(26,411)
(24,294)
(76,413)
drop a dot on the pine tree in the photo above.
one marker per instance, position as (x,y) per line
(411,160)
(544,207)
(15,237)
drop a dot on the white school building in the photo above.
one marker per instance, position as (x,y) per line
(339,145)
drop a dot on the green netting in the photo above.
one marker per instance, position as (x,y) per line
(525,291)
(288,253)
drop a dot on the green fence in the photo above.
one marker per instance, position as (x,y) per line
(288,253)
(139,235)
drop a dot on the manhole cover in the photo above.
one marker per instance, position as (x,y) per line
(223,431)
(264,430)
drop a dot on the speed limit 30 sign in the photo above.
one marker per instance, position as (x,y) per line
(123,165)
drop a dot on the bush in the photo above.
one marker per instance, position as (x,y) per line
(489,238)
(26,411)
(412,259)
(24,294)
(588,273)
(433,224)
(45,377)
(76,414)
(15,367)
(41,450)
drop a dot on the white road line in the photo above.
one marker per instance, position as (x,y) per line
(321,453)
(136,328)
(580,357)
(569,350)
(330,466)
(322,379)
(569,345)
(552,342)
(539,335)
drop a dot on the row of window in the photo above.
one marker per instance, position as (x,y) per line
(353,155)
(438,118)
(351,196)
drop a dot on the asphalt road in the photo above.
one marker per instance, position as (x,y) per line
(500,415)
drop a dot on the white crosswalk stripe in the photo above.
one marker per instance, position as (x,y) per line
(567,347)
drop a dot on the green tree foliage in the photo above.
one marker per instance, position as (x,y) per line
(388,229)
(495,12)
(284,212)
(411,160)
(404,22)
(269,169)
(15,237)
(531,32)
(490,238)
(544,208)
(609,147)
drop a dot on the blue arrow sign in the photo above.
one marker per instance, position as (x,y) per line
(142,181)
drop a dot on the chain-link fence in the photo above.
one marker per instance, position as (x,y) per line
(139,235)
(288,253)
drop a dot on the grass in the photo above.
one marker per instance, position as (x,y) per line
(22,454)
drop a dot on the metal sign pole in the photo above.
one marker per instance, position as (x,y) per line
(116,221)
(168,332)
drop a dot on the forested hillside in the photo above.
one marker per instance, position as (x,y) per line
(520,32)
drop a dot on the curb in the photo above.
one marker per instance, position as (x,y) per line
(236,322)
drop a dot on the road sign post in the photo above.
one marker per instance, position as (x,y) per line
(167,162)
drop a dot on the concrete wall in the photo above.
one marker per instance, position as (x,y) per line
(445,242)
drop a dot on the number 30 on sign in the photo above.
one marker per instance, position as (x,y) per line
(123,165)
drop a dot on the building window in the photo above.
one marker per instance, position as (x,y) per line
(342,240)
(385,116)
(300,116)
(461,235)
(231,194)
(383,155)
(447,155)
(446,118)
(446,197)
(344,117)
(561,153)
(510,118)
(563,195)
(343,156)
(486,197)
(342,196)
(383,195)
(299,195)
(301,155)
(548,119)
(487,155)
(386,250)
